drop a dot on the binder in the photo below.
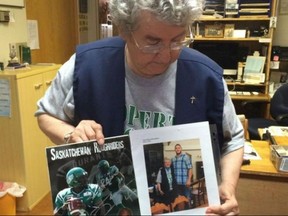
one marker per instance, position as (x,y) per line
(25,54)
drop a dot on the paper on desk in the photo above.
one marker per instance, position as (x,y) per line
(278,131)
(250,153)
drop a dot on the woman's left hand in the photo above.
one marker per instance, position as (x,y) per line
(229,206)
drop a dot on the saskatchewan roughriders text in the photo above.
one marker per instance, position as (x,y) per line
(58,154)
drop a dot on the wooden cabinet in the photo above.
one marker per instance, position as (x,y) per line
(22,143)
(250,34)
(58,27)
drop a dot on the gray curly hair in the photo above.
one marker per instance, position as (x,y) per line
(125,13)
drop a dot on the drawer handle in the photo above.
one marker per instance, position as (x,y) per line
(38,86)
(48,83)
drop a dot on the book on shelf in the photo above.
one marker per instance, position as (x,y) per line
(25,54)
(212,7)
(231,9)
(254,8)
(255,1)
(257,5)
(253,16)
(124,169)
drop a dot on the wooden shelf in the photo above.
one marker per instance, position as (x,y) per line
(259,38)
(260,97)
(229,83)
(208,18)
(251,39)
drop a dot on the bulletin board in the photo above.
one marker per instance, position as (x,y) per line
(283,7)
(12,3)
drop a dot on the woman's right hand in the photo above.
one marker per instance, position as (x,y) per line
(87,130)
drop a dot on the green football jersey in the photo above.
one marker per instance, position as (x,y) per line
(89,196)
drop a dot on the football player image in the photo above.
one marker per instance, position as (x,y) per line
(80,198)
(111,179)
(125,212)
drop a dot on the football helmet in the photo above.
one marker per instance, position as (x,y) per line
(77,177)
(104,166)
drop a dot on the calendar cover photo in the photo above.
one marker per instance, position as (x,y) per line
(91,179)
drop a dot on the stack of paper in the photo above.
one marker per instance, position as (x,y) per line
(253,71)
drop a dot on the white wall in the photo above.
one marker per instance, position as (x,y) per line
(280,34)
(12,32)
(16,32)
(93,21)
(280,38)
(93,24)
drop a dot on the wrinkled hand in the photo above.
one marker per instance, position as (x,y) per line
(87,130)
(229,206)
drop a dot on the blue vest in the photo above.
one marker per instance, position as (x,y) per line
(165,183)
(99,87)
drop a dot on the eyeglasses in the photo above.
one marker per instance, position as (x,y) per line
(158,47)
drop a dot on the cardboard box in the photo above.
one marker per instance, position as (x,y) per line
(279,157)
(8,205)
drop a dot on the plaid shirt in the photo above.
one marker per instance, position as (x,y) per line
(181,165)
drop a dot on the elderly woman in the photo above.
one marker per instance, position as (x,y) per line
(145,78)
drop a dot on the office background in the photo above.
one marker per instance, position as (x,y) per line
(16,30)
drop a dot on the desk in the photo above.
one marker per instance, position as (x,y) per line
(261,189)
(280,140)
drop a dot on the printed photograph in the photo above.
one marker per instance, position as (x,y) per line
(175,176)
(176,169)
(89,179)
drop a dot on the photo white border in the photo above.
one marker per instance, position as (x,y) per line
(201,131)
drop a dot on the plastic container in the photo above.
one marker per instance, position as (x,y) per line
(8,193)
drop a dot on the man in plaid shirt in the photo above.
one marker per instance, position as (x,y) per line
(183,172)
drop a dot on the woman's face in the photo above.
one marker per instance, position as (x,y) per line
(167,163)
(152,32)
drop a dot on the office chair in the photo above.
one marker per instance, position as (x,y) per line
(278,112)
